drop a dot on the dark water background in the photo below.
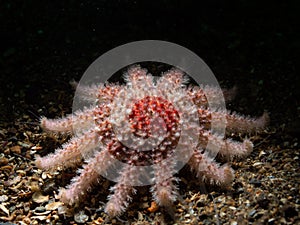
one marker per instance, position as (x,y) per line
(254,45)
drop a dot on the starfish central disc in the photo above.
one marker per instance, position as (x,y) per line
(153,132)
(153,115)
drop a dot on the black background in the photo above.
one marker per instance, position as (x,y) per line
(251,44)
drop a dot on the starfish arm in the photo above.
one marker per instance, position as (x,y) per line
(92,93)
(87,93)
(89,175)
(172,79)
(70,154)
(205,96)
(232,121)
(225,147)
(119,200)
(242,124)
(138,78)
(80,119)
(197,95)
(210,171)
(107,93)
(164,190)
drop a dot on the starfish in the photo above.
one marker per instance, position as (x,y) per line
(158,124)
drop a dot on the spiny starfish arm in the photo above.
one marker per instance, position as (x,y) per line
(91,93)
(209,171)
(197,95)
(233,121)
(225,147)
(80,119)
(70,154)
(108,93)
(242,124)
(137,77)
(119,200)
(174,78)
(205,96)
(87,93)
(164,190)
(89,175)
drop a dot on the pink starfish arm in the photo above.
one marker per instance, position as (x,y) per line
(209,170)
(138,78)
(233,121)
(108,93)
(87,93)
(82,119)
(89,175)
(203,95)
(91,93)
(71,153)
(174,78)
(164,190)
(122,191)
(237,123)
(225,147)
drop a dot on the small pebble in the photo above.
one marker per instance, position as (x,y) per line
(40,209)
(252,212)
(16,149)
(49,186)
(257,164)
(3,198)
(44,175)
(255,182)
(271,221)
(38,197)
(283,200)
(80,217)
(232,208)
(39,218)
(53,205)
(3,161)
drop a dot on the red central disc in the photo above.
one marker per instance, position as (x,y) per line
(148,108)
